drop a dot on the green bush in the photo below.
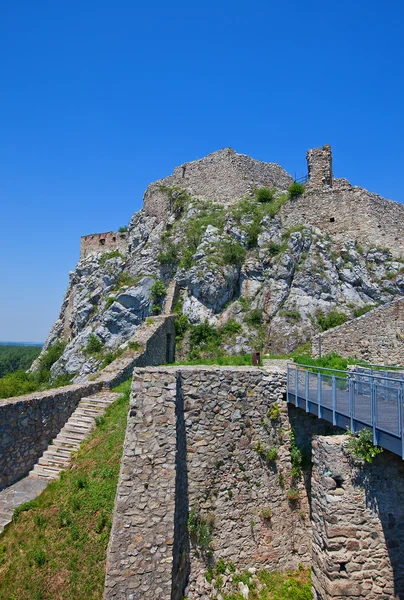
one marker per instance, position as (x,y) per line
(232,253)
(231,327)
(274,249)
(358,312)
(52,354)
(332,319)
(200,531)
(158,290)
(109,302)
(274,412)
(254,318)
(108,255)
(123,229)
(360,446)
(265,194)
(93,346)
(203,334)
(168,257)
(296,189)
(293,315)
(126,279)
(182,325)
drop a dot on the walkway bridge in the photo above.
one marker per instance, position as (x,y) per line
(356,398)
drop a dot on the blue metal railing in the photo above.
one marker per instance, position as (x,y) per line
(356,399)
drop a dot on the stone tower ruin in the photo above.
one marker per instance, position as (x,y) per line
(319,165)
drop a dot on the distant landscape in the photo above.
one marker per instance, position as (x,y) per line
(17,356)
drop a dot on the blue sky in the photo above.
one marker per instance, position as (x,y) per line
(100,98)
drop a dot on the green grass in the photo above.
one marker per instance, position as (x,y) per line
(221,360)
(56,548)
(288,585)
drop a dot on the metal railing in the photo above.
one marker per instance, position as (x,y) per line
(355,399)
(302,179)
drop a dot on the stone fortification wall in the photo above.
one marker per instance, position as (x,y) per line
(349,213)
(103,242)
(319,166)
(377,336)
(28,424)
(216,472)
(358,525)
(222,176)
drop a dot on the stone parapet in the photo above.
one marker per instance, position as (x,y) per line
(377,336)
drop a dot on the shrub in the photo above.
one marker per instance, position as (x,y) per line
(126,279)
(274,412)
(274,249)
(293,495)
(93,346)
(169,256)
(109,302)
(254,317)
(158,290)
(52,354)
(265,194)
(231,327)
(182,325)
(358,312)
(296,189)
(107,255)
(330,320)
(220,567)
(232,253)
(267,454)
(123,229)
(360,446)
(134,345)
(266,513)
(200,531)
(203,334)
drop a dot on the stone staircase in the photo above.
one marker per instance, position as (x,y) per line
(57,456)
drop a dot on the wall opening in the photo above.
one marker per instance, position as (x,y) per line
(332,219)
(102,242)
(183,172)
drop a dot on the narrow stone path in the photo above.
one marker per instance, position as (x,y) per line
(57,456)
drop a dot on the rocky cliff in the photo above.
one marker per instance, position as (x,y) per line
(280,263)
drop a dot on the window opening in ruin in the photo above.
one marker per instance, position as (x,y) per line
(183,172)
(114,239)
(332,219)
(102,242)
(342,566)
(338,480)
(169,357)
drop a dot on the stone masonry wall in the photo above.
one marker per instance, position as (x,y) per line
(222,176)
(358,525)
(103,242)
(377,336)
(29,423)
(319,165)
(349,213)
(215,471)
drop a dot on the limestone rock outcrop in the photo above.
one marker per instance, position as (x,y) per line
(277,264)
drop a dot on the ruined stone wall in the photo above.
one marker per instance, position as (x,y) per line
(377,336)
(319,166)
(29,423)
(103,242)
(221,414)
(222,176)
(358,525)
(349,213)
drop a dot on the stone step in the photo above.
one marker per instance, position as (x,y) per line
(52,461)
(64,441)
(6,516)
(45,471)
(87,412)
(79,427)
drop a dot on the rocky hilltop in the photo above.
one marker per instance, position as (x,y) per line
(274,260)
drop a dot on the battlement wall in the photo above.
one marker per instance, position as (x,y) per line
(222,176)
(103,242)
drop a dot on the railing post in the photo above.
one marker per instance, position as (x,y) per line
(334,400)
(351,401)
(307,382)
(297,387)
(319,392)
(373,416)
(401,415)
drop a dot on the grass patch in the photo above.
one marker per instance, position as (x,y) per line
(358,312)
(331,319)
(274,585)
(56,547)
(239,360)
(108,255)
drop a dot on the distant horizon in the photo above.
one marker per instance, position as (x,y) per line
(9,343)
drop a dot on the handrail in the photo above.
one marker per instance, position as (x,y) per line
(348,373)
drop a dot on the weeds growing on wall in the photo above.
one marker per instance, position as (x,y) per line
(56,547)
(360,446)
(331,319)
(200,529)
(108,255)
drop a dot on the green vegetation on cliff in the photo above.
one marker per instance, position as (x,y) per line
(56,547)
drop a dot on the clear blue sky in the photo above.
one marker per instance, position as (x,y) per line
(100,98)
